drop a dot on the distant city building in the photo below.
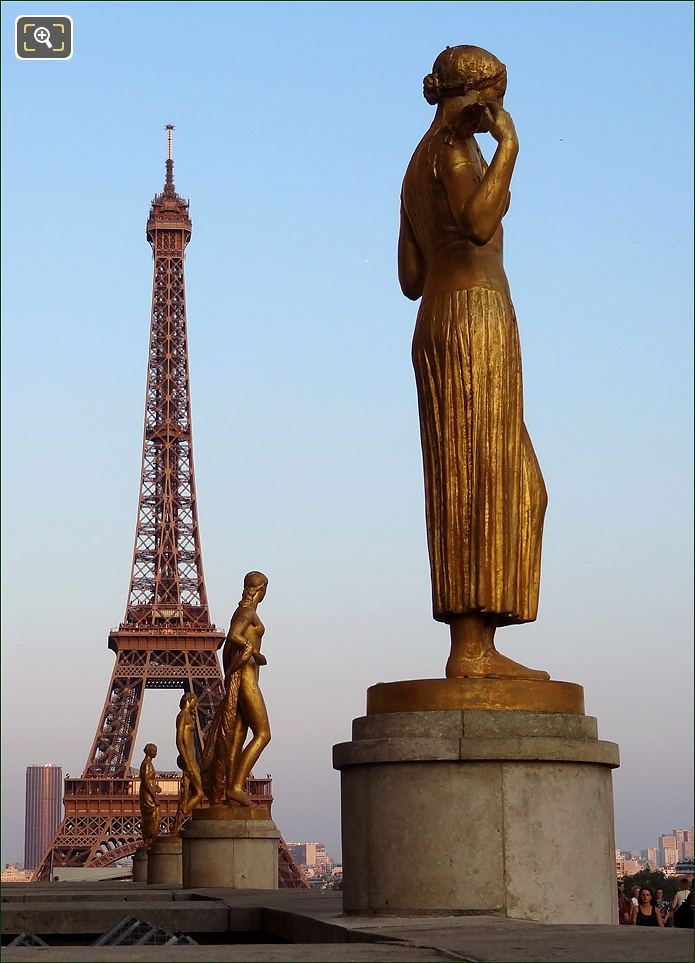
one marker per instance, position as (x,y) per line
(310,854)
(15,874)
(668,850)
(673,855)
(44,789)
(619,864)
(685,841)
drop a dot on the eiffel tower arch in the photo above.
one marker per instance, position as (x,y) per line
(167,639)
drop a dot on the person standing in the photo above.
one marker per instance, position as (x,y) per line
(662,904)
(679,899)
(624,905)
(645,913)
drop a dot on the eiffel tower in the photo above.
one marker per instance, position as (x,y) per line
(167,640)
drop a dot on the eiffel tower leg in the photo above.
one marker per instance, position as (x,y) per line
(112,748)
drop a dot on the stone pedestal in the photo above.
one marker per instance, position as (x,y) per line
(235,847)
(140,865)
(164,861)
(508,813)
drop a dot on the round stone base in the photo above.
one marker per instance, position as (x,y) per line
(164,861)
(233,853)
(140,865)
(476,812)
(525,695)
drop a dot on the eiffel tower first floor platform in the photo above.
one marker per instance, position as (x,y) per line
(101,824)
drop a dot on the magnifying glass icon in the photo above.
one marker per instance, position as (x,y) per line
(43,35)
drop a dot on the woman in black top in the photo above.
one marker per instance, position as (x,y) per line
(645,914)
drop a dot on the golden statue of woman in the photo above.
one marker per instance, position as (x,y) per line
(227,763)
(484,492)
(150,813)
(191,792)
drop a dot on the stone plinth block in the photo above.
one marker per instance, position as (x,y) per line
(234,853)
(481,812)
(140,865)
(164,861)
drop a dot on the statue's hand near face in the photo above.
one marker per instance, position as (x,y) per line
(498,122)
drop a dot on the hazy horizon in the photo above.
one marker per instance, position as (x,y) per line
(294,126)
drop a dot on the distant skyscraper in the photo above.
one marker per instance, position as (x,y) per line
(42,811)
(668,850)
(684,841)
(309,854)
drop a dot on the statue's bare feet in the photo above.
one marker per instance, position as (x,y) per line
(237,797)
(491,665)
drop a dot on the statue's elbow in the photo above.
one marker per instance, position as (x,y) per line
(411,287)
(476,231)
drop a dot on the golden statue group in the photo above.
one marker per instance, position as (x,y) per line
(226,762)
(485,498)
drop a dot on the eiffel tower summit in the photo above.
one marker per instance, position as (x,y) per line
(167,639)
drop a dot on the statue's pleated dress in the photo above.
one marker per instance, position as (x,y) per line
(484,492)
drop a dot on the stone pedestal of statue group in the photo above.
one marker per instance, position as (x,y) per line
(478,810)
(164,861)
(140,861)
(230,846)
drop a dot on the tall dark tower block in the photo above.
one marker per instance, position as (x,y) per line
(166,640)
(42,811)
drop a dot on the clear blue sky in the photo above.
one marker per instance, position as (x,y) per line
(295,122)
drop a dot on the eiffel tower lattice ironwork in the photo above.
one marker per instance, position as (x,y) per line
(167,640)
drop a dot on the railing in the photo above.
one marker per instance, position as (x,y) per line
(170,783)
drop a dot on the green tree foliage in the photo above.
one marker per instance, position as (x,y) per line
(654,879)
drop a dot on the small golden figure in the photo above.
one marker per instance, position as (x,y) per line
(227,763)
(151,814)
(485,498)
(191,792)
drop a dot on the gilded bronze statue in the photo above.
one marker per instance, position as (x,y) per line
(191,792)
(485,498)
(150,812)
(226,761)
